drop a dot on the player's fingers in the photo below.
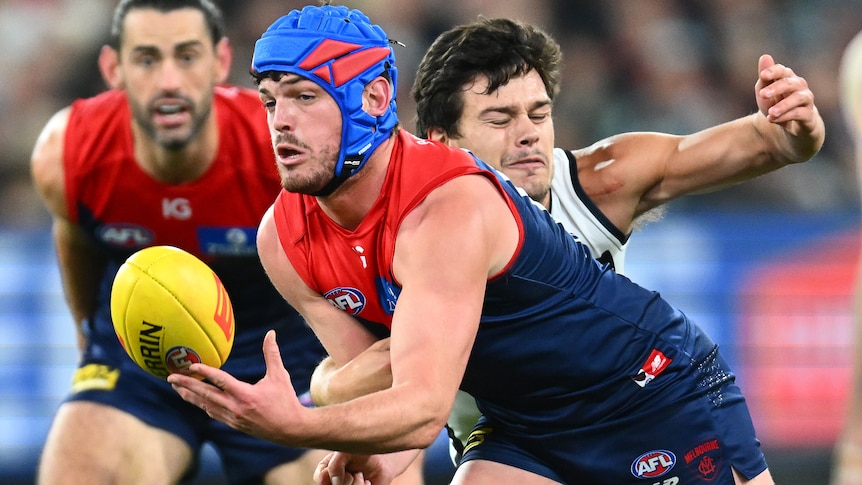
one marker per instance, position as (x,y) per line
(802,117)
(784,87)
(765,62)
(193,391)
(797,106)
(272,354)
(213,377)
(321,472)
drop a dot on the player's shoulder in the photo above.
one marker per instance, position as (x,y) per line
(101,101)
(233,94)
(46,161)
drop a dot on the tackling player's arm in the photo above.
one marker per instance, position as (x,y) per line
(80,261)
(368,372)
(629,174)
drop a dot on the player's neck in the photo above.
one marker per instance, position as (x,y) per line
(349,204)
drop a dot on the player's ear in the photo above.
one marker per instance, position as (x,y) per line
(438,134)
(377,95)
(109,66)
(223,59)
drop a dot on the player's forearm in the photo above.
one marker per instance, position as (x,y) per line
(368,372)
(81,268)
(383,422)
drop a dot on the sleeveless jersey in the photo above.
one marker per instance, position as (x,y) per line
(322,252)
(214,217)
(572,207)
(562,339)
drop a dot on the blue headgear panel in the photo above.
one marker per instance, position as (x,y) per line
(342,51)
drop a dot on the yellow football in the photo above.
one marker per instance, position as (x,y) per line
(171,310)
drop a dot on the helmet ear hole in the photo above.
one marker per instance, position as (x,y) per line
(342,51)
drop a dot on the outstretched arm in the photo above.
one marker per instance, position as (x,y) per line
(629,174)
(446,250)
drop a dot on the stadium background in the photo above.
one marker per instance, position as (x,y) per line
(767,267)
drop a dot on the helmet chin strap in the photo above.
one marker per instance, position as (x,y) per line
(341,51)
(351,165)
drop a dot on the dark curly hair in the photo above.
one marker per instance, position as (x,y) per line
(499,49)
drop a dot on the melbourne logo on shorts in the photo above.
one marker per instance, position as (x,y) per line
(654,365)
(125,235)
(705,459)
(349,300)
(653,464)
(179,358)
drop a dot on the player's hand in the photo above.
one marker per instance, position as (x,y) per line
(339,468)
(785,100)
(265,409)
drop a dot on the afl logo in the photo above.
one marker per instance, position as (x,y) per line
(348,300)
(125,235)
(653,464)
(178,359)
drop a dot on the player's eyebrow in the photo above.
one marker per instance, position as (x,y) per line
(512,110)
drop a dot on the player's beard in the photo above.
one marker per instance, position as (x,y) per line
(177,138)
(311,176)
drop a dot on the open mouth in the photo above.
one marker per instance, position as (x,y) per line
(171,114)
(286,154)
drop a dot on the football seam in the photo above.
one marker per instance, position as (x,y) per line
(203,328)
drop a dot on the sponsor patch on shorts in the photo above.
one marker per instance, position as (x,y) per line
(654,365)
(95,377)
(477,437)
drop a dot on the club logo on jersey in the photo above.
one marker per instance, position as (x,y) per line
(228,241)
(179,358)
(705,459)
(388,293)
(654,365)
(653,464)
(125,235)
(349,300)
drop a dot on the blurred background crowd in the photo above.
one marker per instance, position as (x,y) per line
(675,66)
(665,65)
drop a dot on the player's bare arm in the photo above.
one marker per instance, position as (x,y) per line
(632,173)
(80,262)
(446,250)
(368,372)
(342,336)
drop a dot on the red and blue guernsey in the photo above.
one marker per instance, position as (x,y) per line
(215,218)
(581,375)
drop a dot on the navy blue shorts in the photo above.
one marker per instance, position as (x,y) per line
(108,376)
(694,440)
